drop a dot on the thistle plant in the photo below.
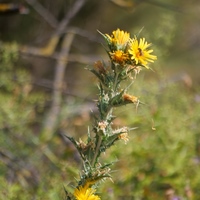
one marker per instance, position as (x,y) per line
(127,56)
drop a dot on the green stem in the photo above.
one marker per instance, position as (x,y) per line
(115,82)
(96,151)
(106,116)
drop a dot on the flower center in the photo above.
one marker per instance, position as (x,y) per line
(139,53)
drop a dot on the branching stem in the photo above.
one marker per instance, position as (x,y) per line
(97,151)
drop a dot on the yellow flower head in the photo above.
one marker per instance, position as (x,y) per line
(85,193)
(140,53)
(119,39)
(119,56)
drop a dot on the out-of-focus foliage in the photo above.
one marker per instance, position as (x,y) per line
(154,160)
(24,161)
(164,152)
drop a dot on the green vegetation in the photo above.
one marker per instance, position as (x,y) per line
(163,152)
(162,156)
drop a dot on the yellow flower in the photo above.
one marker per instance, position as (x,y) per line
(85,193)
(140,53)
(119,56)
(119,39)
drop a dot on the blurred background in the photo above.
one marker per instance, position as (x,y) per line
(46,93)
